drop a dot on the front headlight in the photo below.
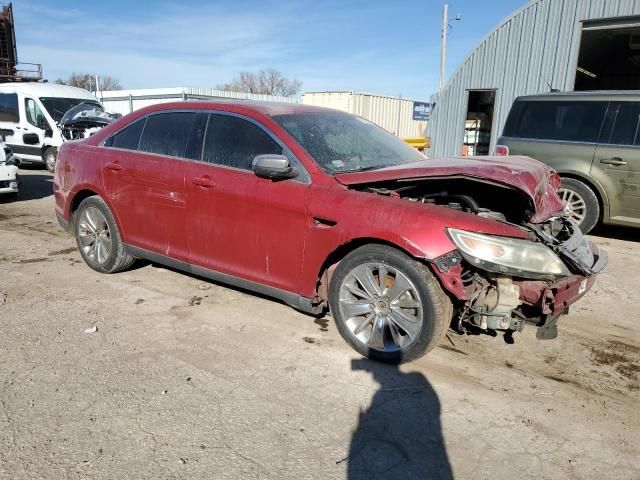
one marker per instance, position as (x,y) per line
(510,256)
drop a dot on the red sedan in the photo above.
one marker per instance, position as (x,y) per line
(326,211)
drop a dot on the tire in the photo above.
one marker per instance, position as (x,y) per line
(582,201)
(425,303)
(98,237)
(50,157)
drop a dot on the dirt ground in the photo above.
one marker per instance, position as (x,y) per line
(188,379)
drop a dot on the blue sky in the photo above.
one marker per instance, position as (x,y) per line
(385,47)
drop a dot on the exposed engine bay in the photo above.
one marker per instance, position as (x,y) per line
(84,120)
(492,297)
(482,198)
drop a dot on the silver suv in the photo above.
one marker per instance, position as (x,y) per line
(592,139)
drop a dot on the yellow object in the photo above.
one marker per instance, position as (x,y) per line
(420,143)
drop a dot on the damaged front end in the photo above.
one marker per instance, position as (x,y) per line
(502,283)
(510,282)
(84,120)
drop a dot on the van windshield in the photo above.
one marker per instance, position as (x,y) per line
(340,142)
(57,106)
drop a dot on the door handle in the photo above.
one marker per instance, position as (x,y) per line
(116,167)
(203,181)
(615,161)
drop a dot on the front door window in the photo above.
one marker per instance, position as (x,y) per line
(34,115)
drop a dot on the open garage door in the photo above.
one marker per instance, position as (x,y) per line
(609,57)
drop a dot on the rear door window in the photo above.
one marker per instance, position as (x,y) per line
(9,108)
(235,142)
(622,124)
(127,138)
(578,121)
(168,134)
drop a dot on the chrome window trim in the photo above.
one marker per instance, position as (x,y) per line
(540,140)
(571,142)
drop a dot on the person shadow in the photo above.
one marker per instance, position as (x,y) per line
(399,434)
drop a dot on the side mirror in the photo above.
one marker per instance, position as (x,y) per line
(276,167)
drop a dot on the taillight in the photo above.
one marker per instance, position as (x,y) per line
(502,150)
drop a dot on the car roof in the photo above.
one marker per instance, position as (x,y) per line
(264,108)
(602,95)
(42,89)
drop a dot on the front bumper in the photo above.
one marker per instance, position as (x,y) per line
(9,186)
(545,299)
(499,301)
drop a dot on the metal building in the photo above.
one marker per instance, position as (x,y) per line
(395,114)
(547,44)
(126,101)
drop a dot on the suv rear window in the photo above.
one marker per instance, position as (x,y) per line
(577,121)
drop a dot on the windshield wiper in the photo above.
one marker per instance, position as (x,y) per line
(362,169)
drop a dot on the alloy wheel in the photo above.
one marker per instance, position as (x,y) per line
(574,204)
(50,160)
(381,307)
(94,235)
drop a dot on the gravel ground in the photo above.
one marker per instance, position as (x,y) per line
(188,379)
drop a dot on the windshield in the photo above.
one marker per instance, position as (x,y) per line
(57,106)
(340,142)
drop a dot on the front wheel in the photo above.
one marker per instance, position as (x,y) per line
(50,157)
(388,306)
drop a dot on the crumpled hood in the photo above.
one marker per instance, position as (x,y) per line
(531,177)
(87,114)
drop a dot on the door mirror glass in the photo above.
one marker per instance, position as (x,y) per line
(273,166)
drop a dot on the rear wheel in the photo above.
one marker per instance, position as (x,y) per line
(581,203)
(388,306)
(98,237)
(50,157)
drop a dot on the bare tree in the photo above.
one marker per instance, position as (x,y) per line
(268,82)
(88,81)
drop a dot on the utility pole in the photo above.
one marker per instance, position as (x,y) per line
(443,52)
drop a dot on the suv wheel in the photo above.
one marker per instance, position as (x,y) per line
(581,203)
(388,306)
(50,157)
(98,237)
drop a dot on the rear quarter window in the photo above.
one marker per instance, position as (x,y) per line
(575,121)
(9,107)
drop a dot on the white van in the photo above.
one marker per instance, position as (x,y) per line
(29,116)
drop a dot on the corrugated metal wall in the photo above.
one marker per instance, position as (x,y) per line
(395,114)
(126,101)
(535,47)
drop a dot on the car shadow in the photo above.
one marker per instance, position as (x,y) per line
(32,187)
(615,232)
(399,433)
